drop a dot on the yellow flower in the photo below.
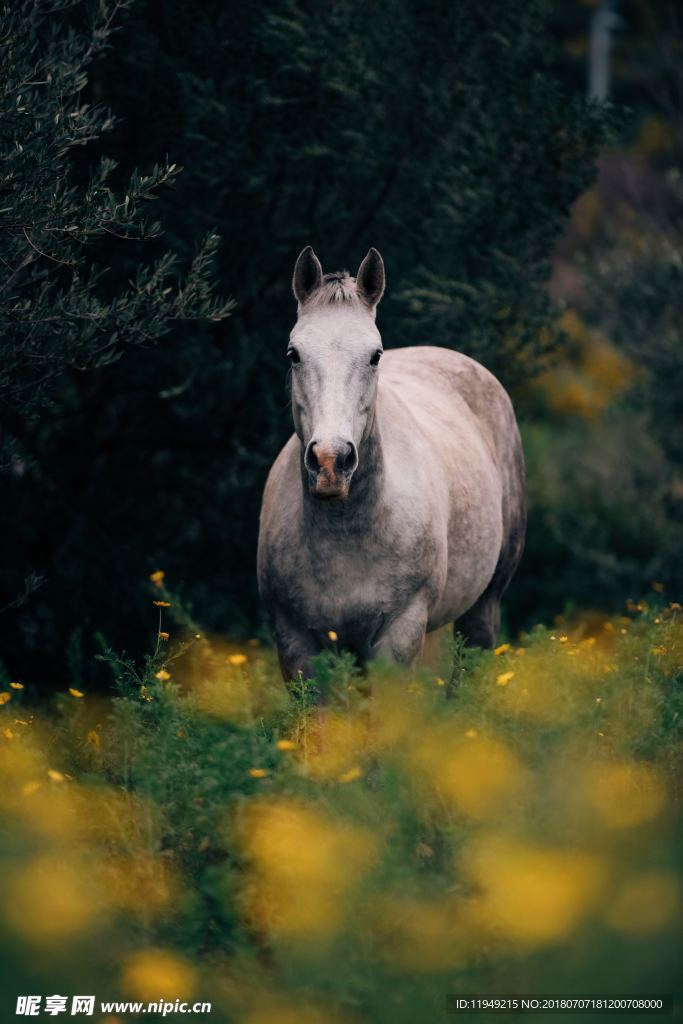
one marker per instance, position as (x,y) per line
(55,775)
(659,650)
(162,604)
(285,745)
(237,659)
(162,674)
(471,734)
(439,681)
(351,775)
(563,639)
(502,649)
(29,788)
(157,577)
(8,734)
(4,697)
(333,636)
(164,636)
(258,773)
(75,693)
(17,686)
(520,652)
(93,738)
(504,678)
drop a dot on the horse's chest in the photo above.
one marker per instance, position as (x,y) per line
(356,581)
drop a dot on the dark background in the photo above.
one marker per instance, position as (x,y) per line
(519,222)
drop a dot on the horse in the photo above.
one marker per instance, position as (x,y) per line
(398,505)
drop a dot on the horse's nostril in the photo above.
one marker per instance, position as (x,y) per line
(347,460)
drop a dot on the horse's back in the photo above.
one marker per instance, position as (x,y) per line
(443,386)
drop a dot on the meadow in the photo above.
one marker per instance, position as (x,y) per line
(357,849)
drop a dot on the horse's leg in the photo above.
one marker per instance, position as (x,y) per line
(402,641)
(479,626)
(295,649)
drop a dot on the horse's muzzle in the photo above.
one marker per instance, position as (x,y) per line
(330,465)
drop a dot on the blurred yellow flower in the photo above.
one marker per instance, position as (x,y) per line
(163,635)
(237,659)
(504,678)
(440,681)
(17,686)
(30,788)
(55,775)
(157,577)
(258,773)
(162,604)
(154,974)
(304,866)
(471,734)
(4,697)
(534,895)
(625,794)
(645,903)
(332,635)
(285,745)
(75,693)
(8,734)
(351,775)
(162,675)
(93,738)
(502,649)
(48,900)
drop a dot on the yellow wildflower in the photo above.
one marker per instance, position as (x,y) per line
(237,659)
(258,773)
(164,636)
(440,681)
(504,678)
(8,734)
(520,652)
(4,697)
(502,649)
(55,775)
(563,639)
(162,604)
(157,577)
(93,738)
(659,650)
(351,775)
(162,675)
(333,636)
(17,686)
(471,734)
(75,693)
(285,745)
(29,788)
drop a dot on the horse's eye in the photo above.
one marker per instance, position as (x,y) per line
(376,357)
(294,355)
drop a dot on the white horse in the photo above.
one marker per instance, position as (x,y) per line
(399,503)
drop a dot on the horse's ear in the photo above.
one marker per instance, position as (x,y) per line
(370,278)
(308,275)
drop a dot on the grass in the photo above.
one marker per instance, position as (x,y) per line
(207,836)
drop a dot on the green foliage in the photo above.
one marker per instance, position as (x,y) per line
(56,313)
(361,860)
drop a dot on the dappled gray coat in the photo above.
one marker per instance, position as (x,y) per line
(399,503)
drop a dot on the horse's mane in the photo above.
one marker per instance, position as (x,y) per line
(336,289)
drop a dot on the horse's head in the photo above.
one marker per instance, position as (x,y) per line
(335,349)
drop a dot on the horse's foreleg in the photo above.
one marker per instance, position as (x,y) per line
(295,650)
(403,639)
